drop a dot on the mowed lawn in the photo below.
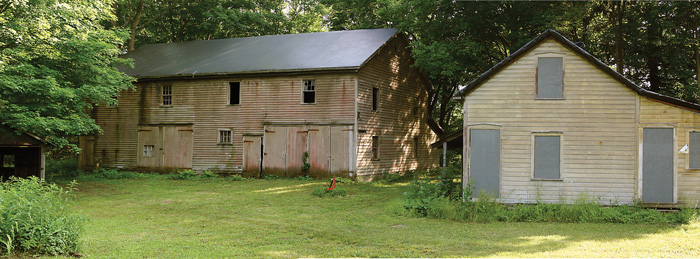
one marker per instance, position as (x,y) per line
(280,219)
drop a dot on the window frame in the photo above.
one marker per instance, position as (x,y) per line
(534,135)
(690,149)
(166,96)
(376,97)
(563,78)
(375,148)
(230,94)
(146,150)
(4,160)
(304,90)
(221,138)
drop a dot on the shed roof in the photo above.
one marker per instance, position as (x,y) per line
(585,55)
(335,50)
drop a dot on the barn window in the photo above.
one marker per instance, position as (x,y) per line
(225,136)
(8,161)
(550,78)
(416,107)
(234,93)
(375,147)
(546,161)
(167,95)
(415,146)
(148,151)
(694,150)
(375,98)
(309,91)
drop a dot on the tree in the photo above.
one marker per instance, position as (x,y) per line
(56,63)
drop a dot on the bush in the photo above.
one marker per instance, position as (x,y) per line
(208,175)
(235,177)
(35,218)
(182,175)
(58,168)
(324,192)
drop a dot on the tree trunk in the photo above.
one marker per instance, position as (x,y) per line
(618,14)
(134,25)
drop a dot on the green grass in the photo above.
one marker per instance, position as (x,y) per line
(136,218)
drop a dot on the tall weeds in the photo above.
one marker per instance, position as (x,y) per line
(35,217)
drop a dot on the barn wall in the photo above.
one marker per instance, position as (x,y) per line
(204,105)
(596,119)
(394,123)
(657,114)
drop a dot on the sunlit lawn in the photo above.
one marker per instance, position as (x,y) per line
(280,219)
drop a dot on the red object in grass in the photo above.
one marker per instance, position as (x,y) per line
(332,186)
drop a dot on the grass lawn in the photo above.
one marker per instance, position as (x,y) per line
(280,219)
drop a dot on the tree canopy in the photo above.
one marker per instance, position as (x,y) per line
(57,57)
(56,62)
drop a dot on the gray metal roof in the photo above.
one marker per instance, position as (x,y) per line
(275,53)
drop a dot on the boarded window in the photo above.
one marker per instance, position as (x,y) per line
(234,93)
(375,99)
(550,77)
(309,91)
(225,137)
(547,157)
(375,147)
(415,147)
(416,107)
(148,151)
(8,161)
(694,150)
(167,95)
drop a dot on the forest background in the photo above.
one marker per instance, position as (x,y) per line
(58,57)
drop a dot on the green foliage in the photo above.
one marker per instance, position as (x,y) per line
(323,192)
(304,178)
(305,160)
(61,168)
(35,218)
(57,63)
(183,175)
(430,199)
(235,178)
(208,175)
(271,177)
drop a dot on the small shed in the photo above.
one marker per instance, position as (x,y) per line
(21,154)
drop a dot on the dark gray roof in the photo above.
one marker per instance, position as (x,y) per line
(582,53)
(276,53)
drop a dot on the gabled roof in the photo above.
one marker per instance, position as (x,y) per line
(582,53)
(9,137)
(335,50)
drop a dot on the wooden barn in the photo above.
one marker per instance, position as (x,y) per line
(21,154)
(257,105)
(552,123)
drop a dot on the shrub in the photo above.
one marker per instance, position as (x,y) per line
(182,175)
(208,175)
(271,177)
(324,192)
(35,218)
(235,177)
(61,168)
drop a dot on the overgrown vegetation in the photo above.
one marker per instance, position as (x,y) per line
(35,217)
(442,197)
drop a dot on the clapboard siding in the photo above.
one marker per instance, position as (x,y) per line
(596,119)
(276,100)
(394,122)
(204,103)
(654,114)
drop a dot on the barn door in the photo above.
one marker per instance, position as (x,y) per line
(252,156)
(341,143)
(485,161)
(296,146)
(149,152)
(177,147)
(319,153)
(657,165)
(275,153)
(165,148)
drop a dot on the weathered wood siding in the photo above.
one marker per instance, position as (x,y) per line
(596,119)
(271,100)
(654,113)
(394,123)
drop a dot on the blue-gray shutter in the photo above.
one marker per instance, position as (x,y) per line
(694,150)
(657,165)
(485,161)
(550,77)
(547,157)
